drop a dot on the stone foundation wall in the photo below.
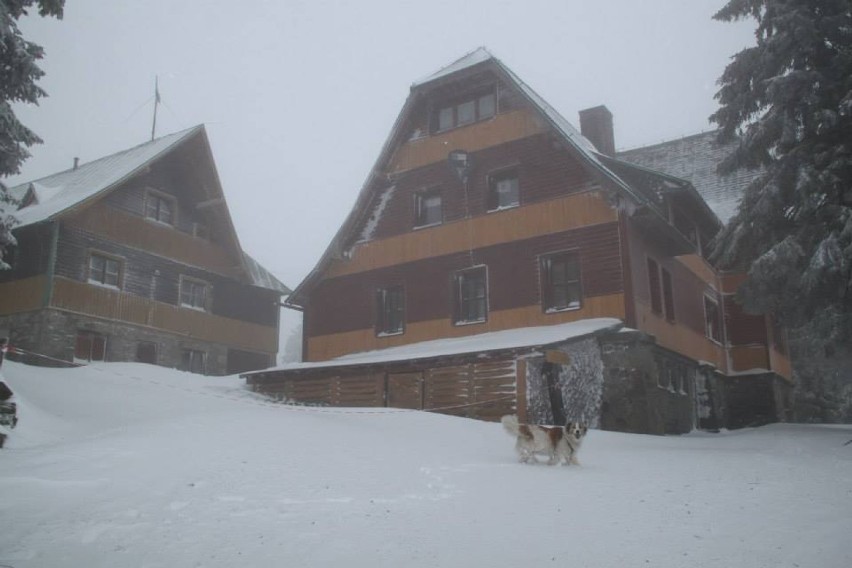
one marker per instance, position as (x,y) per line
(53,333)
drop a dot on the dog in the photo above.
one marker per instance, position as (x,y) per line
(559,443)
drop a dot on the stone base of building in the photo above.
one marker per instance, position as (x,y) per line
(49,337)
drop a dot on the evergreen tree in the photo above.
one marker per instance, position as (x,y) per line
(18,75)
(788,100)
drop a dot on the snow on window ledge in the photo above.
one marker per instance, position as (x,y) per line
(103,285)
(191,307)
(469,322)
(390,333)
(571,308)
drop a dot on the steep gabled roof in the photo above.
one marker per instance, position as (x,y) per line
(695,158)
(483,58)
(58,194)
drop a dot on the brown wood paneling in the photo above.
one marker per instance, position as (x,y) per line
(345,303)
(494,389)
(324,347)
(500,129)
(680,338)
(521,389)
(743,328)
(22,295)
(555,216)
(449,389)
(359,390)
(545,171)
(165,241)
(317,390)
(116,305)
(747,358)
(731,281)
(405,390)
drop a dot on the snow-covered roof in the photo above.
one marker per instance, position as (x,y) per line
(475,57)
(59,192)
(694,159)
(261,277)
(482,343)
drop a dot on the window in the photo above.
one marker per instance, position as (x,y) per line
(668,294)
(503,191)
(89,346)
(390,310)
(654,283)
(104,270)
(193,293)
(470,296)
(160,208)
(146,352)
(193,360)
(560,280)
(466,110)
(427,209)
(712,319)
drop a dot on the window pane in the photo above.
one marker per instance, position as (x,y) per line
(445,118)
(472,299)
(165,211)
(429,209)
(561,279)
(507,192)
(467,112)
(487,106)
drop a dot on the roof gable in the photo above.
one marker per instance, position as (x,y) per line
(58,193)
(472,62)
(63,193)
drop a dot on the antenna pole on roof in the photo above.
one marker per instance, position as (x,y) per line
(156,104)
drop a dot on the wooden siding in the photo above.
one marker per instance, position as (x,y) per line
(553,216)
(158,278)
(162,240)
(680,338)
(329,346)
(691,279)
(545,170)
(346,303)
(32,253)
(121,306)
(485,390)
(748,357)
(22,295)
(743,328)
(500,129)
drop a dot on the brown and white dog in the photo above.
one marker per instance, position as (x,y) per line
(559,443)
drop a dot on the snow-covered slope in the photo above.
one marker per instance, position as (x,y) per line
(124,465)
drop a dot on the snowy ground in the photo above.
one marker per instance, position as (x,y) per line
(125,465)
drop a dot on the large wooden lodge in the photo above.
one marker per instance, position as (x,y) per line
(133,257)
(499,260)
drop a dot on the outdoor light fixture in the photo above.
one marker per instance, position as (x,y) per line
(460,161)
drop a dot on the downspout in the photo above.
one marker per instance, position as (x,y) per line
(47,295)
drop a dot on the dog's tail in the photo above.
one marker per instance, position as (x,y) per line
(510,423)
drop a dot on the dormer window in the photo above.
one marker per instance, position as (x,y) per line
(466,110)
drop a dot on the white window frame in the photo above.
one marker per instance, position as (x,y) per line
(107,259)
(190,281)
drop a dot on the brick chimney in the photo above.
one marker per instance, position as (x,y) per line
(596,125)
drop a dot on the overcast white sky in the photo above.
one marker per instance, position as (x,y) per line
(299,95)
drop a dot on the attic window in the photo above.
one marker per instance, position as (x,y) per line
(160,207)
(503,191)
(465,110)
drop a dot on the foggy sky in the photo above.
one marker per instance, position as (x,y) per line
(298,96)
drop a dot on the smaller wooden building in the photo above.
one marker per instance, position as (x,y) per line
(133,257)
